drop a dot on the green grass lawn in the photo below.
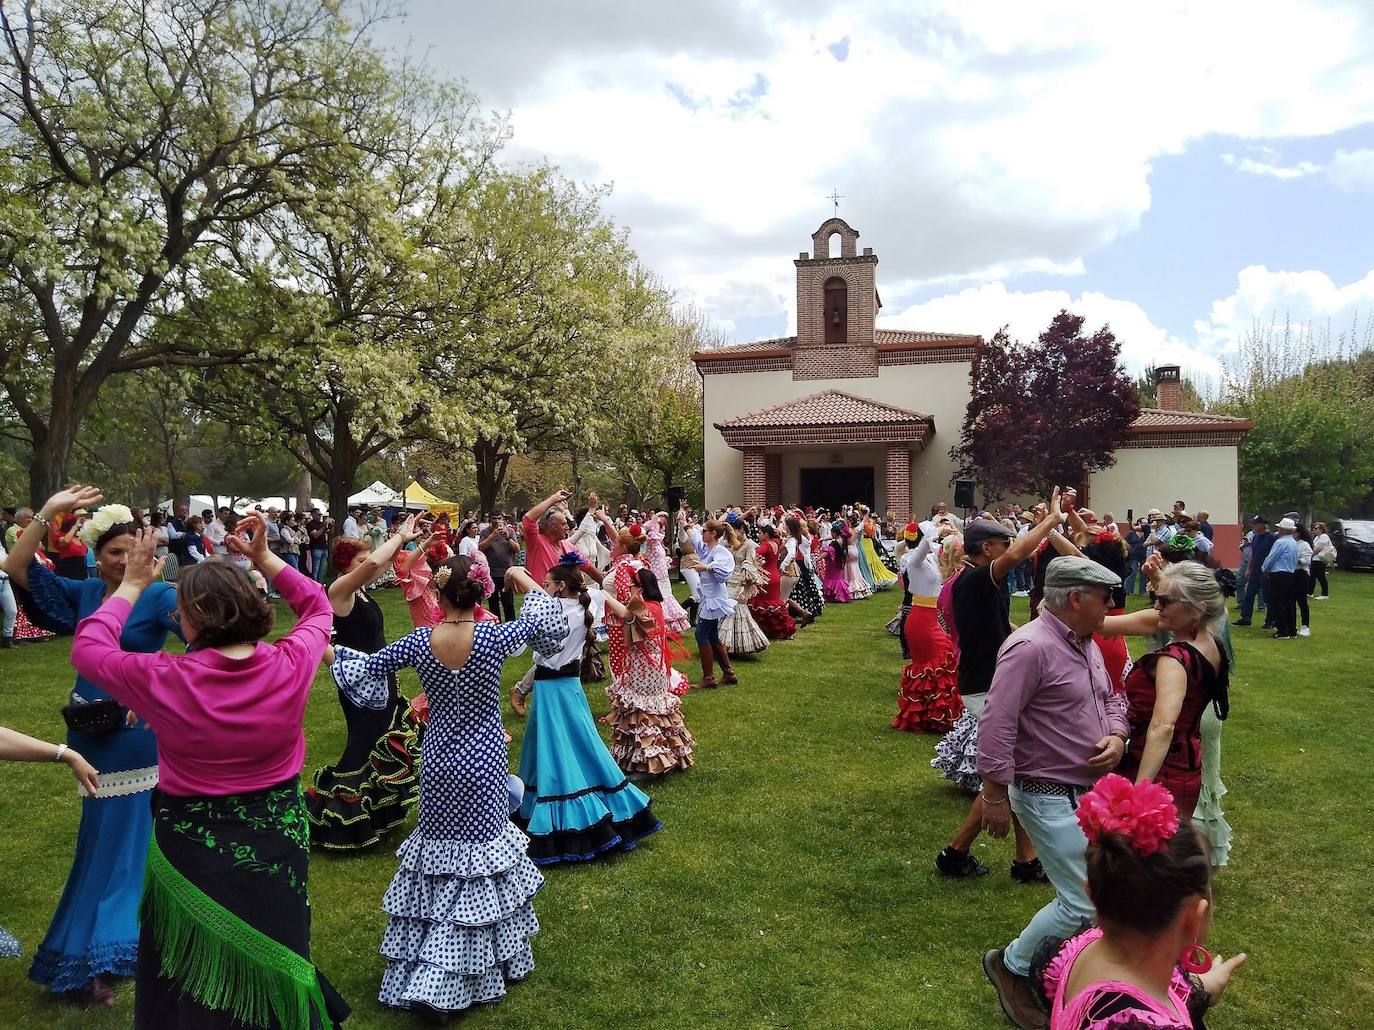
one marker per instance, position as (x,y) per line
(792,884)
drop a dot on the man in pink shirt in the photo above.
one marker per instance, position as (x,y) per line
(545,528)
(1050,727)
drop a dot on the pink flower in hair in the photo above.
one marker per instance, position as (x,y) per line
(481,575)
(1143,812)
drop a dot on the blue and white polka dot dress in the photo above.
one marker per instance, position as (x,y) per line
(461,915)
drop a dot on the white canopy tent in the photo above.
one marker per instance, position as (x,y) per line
(199,502)
(378,495)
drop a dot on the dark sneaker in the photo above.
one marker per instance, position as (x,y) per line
(953,862)
(1015,993)
(1242,622)
(1029,872)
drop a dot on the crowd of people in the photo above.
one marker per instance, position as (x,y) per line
(196,824)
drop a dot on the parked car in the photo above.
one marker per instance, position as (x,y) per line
(1354,540)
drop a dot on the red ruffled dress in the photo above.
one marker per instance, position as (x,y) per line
(928,698)
(767,606)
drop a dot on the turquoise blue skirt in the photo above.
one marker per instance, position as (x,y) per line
(577,804)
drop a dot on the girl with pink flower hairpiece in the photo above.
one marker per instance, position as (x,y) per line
(1143,965)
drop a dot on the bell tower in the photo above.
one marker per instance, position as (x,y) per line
(837,306)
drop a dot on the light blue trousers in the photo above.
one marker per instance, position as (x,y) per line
(1052,825)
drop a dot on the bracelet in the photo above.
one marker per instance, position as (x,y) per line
(61,750)
(988,801)
(45,523)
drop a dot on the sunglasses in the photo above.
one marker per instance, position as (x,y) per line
(1164,600)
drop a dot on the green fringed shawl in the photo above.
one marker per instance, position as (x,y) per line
(220,960)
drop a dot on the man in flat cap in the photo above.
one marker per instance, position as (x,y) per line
(1050,727)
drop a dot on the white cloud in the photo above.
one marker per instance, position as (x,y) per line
(1352,170)
(1262,296)
(1276,171)
(974,142)
(985,309)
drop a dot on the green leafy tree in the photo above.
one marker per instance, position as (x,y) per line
(139,141)
(1311,449)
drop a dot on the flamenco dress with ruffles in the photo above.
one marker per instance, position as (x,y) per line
(95,928)
(460,909)
(648,735)
(656,557)
(767,606)
(364,795)
(738,631)
(1110,1004)
(578,804)
(854,578)
(834,583)
(956,753)
(879,576)
(928,698)
(807,592)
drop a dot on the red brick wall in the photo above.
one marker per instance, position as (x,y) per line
(755,478)
(772,478)
(899,480)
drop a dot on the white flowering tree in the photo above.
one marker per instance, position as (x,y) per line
(140,140)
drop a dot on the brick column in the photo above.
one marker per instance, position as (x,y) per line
(772,478)
(755,478)
(899,480)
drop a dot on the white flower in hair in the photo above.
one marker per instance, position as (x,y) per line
(103,519)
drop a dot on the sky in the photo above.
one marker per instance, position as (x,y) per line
(1179,171)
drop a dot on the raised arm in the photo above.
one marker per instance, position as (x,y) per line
(537,512)
(27,543)
(1171,684)
(341,591)
(1023,547)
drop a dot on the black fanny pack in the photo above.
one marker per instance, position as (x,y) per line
(93,716)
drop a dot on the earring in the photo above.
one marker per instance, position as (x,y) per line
(1196,959)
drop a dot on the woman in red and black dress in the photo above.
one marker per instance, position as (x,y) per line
(770,611)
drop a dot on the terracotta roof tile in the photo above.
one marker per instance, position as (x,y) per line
(1154,420)
(886,339)
(890,337)
(828,408)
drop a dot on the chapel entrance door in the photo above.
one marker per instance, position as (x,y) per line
(834,487)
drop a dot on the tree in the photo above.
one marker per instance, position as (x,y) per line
(1311,450)
(544,342)
(138,141)
(1045,414)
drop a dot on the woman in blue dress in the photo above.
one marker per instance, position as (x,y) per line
(93,938)
(460,903)
(578,802)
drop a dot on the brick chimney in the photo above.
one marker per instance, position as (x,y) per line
(1168,388)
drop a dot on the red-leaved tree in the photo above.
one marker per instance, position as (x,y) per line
(1047,413)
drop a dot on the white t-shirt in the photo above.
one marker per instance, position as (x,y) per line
(467,547)
(350,527)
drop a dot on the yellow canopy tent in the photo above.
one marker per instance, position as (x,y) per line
(417,497)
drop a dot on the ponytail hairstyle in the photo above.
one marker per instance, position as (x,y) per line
(722,530)
(456,580)
(648,585)
(573,586)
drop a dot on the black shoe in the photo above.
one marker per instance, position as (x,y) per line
(1029,872)
(1241,622)
(953,862)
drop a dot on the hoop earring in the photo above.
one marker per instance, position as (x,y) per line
(1196,959)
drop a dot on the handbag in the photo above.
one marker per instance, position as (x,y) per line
(94,716)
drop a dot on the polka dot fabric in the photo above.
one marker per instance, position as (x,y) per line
(460,902)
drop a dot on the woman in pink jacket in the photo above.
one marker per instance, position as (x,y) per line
(225,921)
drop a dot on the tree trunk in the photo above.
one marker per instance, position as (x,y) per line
(51,453)
(491,466)
(304,486)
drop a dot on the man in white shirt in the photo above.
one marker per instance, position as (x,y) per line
(350,524)
(215,532)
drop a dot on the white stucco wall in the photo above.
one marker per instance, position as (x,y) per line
(940,390)
(1204,478)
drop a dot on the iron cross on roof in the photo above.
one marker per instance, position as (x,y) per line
(835,197)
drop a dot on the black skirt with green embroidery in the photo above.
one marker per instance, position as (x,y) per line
(225,923)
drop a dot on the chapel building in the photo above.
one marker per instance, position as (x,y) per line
(844,411)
